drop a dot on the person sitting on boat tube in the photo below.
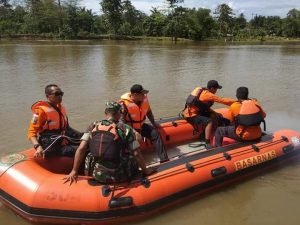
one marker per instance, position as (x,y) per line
(114,155)
(198,110)
(49,129)
(135,109)
(246,115)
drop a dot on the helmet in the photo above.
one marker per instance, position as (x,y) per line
(112,106)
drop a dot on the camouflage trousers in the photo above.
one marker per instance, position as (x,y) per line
(108,172)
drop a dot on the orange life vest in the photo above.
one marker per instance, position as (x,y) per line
(248,120)
(56,119)
(250,114)
(193,105)
(136,115)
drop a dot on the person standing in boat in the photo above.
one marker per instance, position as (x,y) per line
(114,155)
(198,110)
(49,125)
(246,115)
(135,109)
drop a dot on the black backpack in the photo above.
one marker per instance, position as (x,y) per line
(105,142)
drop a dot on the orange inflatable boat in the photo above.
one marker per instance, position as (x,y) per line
(176,130)
(35,190)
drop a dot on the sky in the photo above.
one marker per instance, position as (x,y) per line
(250,8)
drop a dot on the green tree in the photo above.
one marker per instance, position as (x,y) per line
(174,17)
(129,13)
(6,19)
(177,24)
(112,9)
(5,3)
(200,23)
(101,25)
(71,22)
(155,23)
(225,20)
(239,26)
(292,23)
(174,3)
(273,26)
(66,19)
(42,18)
(132,19)
(241,21)
(85,20)
(258,21)
(32,5)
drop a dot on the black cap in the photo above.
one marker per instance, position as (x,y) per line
(137,88)
(213,84)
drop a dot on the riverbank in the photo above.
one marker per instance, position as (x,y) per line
(258,40)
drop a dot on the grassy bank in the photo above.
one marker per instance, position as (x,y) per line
(31,37)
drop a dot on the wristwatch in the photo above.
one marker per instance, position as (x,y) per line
(35,146)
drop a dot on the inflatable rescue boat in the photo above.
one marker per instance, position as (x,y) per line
(34,187)
(176,130)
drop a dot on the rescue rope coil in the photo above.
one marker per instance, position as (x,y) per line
(55,138)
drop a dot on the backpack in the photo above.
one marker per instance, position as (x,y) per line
(106,142)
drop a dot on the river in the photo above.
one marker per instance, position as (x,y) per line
(92,72)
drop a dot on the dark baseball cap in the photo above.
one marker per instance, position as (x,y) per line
(137,88)
(213,84)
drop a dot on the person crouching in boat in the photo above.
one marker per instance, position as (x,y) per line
(246,115)
(114,155)
(49,126)
(198,110)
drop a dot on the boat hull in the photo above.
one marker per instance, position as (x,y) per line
(34,188)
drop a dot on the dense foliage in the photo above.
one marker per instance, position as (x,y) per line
(66,19)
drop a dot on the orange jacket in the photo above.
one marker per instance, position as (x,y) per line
(133,114)
(46,118)
(205,97)
(245,132)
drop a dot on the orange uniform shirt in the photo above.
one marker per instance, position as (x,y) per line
(206,97)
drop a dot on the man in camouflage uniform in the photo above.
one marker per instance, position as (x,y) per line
(116,164)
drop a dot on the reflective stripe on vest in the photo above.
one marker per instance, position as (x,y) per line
(136,115)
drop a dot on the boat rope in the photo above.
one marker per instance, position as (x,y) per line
(55,138)
(196,145)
